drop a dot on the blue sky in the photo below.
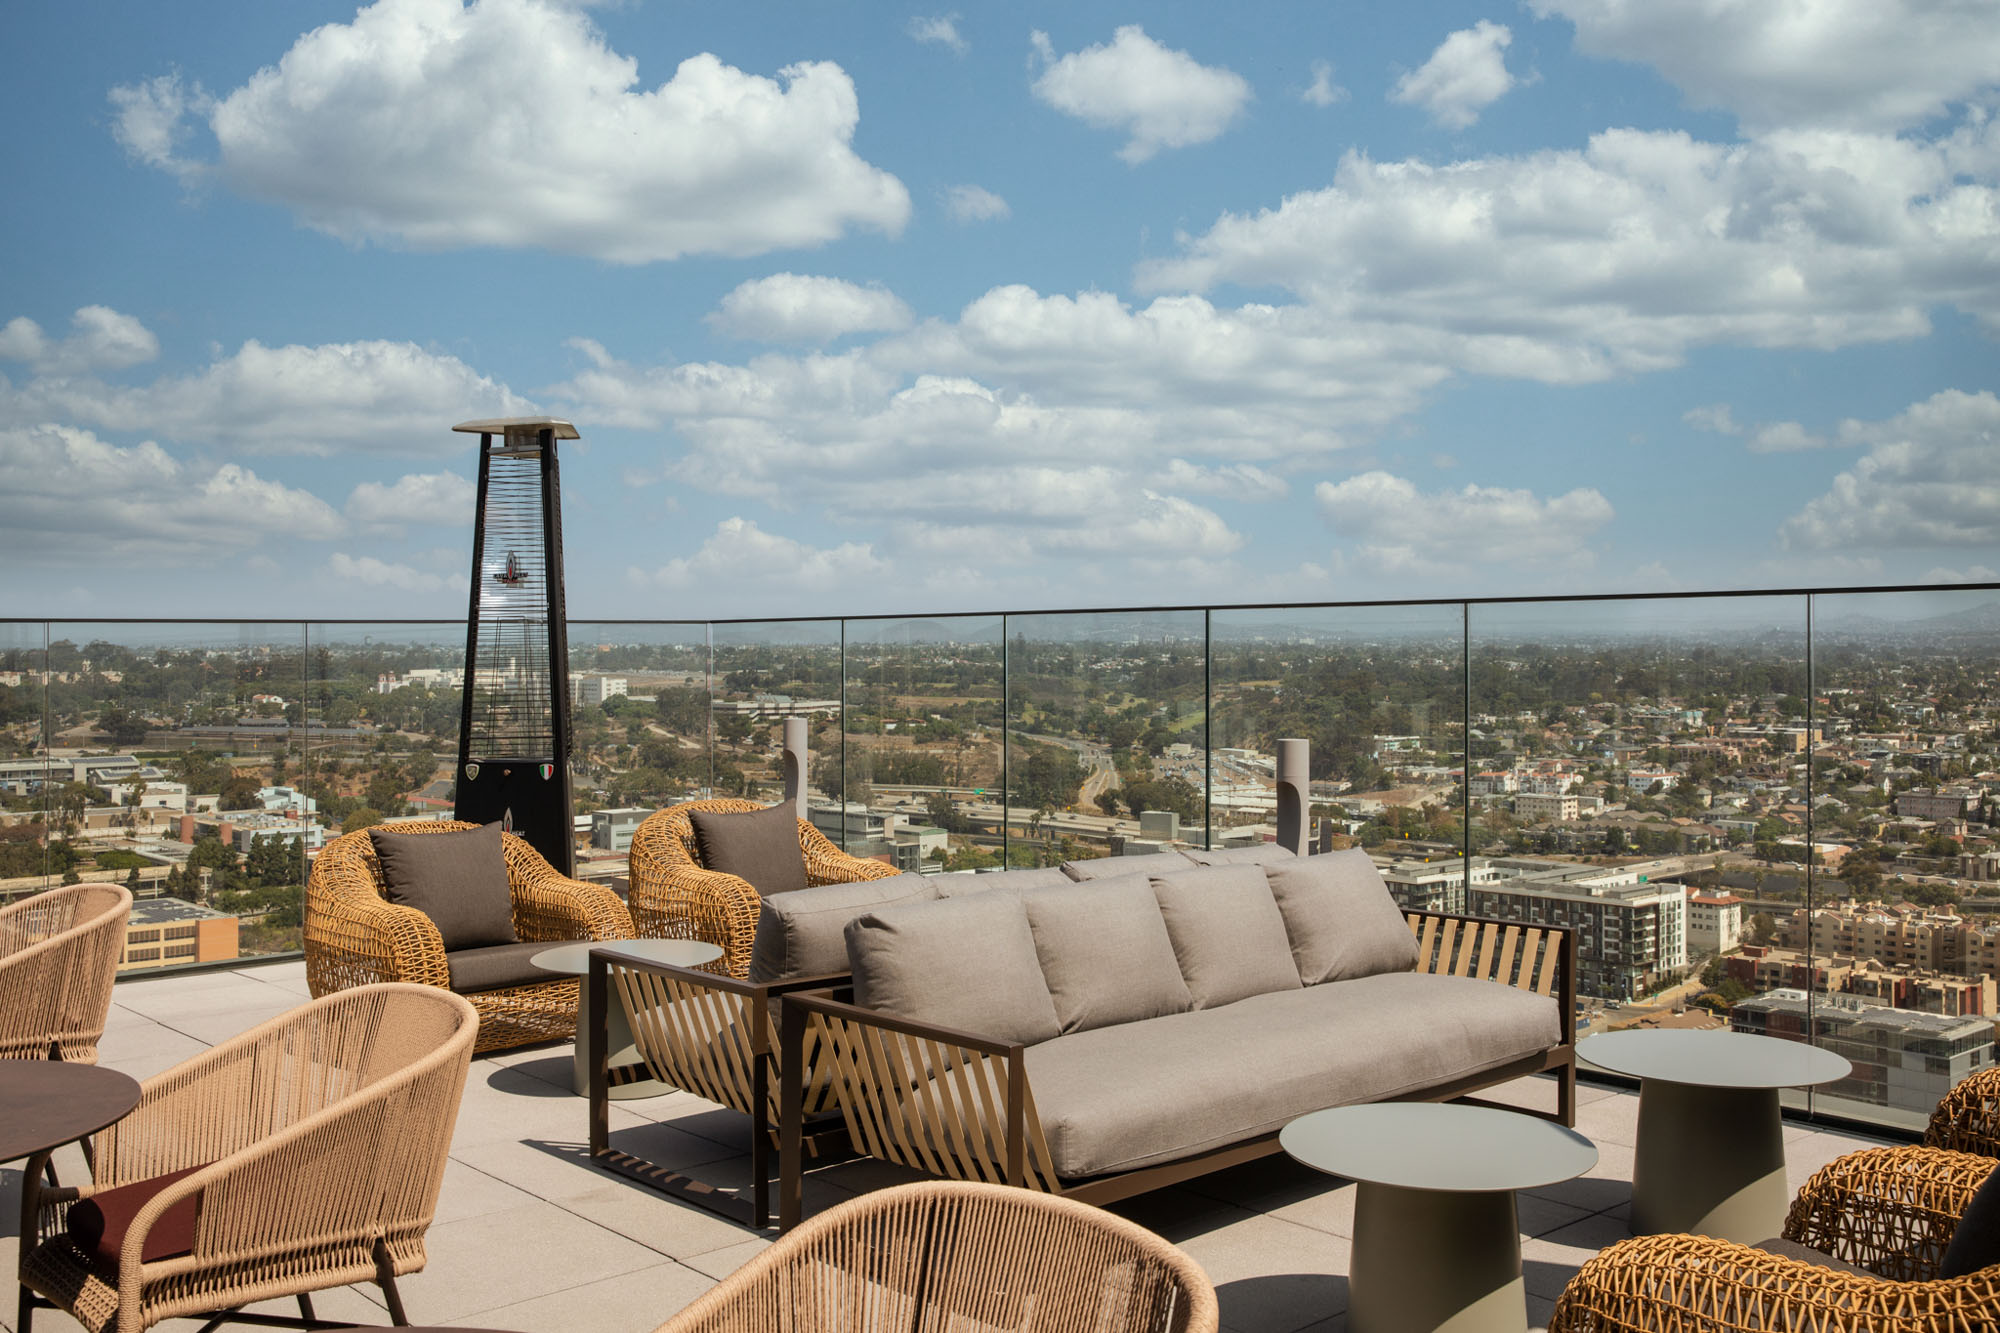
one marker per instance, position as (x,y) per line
(864,310)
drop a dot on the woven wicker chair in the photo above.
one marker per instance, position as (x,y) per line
(965,1256)
(58,957)
(1890,1211)
(1968,1119)
(318,1141)
(673,897)
(353,936)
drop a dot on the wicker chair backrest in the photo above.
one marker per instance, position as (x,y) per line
(59,955)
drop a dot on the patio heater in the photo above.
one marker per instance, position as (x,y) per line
(514,724)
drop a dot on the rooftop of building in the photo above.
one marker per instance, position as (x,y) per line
(529,1236)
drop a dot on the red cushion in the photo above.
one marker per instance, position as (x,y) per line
(97,1225)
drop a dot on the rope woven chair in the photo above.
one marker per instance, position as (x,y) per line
(317,1145)
(949,1254)
(1890,1211)
(674,897)
(1968,1119)
(58,958)
(354,936)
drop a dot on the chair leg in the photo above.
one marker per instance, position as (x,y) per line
(24,1313)
(385,1278)
(306,1310)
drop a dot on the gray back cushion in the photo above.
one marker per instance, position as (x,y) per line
(760,847)
(966,963)
(1256,854)
(1340,917)
(458,879)
(804,933)
(1112,867)
(1011,881)
(1105,953)
(1228,937)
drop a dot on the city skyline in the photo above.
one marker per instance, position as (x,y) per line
(865,311)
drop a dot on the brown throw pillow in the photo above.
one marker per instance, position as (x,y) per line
(457,879)
(97,1225)
(761,847)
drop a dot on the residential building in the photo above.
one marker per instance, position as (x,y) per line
(1903,1060)
(1714,922)
(1631,930)
(590,690)
(1936,805)
(611,830)
(1562,808)
(163,932)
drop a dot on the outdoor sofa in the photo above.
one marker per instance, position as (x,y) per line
(1095,1030)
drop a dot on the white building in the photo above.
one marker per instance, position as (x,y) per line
(1714,922)
(1631,933)
(590,691)
(1535,805)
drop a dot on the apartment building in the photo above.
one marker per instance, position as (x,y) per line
(1936,805)
(1560,807)
(163,932)
(1904,934)
(1903,1060)
(1631,930)
(1714,922)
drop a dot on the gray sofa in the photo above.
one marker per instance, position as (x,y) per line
(1119,1024)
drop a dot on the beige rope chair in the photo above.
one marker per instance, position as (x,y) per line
(674,897)
(970,1257)
(314,1145)
(354,936)
(1968,1119)
(58,958)
(1889,1211)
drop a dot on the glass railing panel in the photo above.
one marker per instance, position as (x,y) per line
(923,735)
(761,674)
(639,714)
(1107,734)
(186,747)
(1378,692)
(382,721)
(26,791)
(1905,931)
(1635,764)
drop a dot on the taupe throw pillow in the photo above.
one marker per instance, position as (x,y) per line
(760,847)
(967,963)
(1256,854)
(457,879)
(1340,917)
(1105,953)
(1228,937)
(804,933)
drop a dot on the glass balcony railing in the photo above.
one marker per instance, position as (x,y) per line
(1772,811)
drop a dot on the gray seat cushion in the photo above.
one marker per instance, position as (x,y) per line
(497,967)
(1806,1254)
(1010,881)
(760,847)
(967,963)
(804,933)
(1113,1099)
(1341,919)
(457,878)
(1256,854)
(1105,953)
(1227,934)
(1113,867)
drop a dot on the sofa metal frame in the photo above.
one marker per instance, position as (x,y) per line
(957,1105)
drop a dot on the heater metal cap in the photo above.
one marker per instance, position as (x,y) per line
(513,427)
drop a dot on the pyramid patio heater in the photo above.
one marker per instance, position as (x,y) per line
(514,728)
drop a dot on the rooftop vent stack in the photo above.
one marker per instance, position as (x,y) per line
(796,751)
(1294,759)
(514,727)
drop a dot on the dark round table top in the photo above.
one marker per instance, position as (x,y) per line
(1438,1146)
(47,1103)
(1713,1059)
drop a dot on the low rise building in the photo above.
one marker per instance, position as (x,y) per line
(1714,923)
(164,932)
(1903,1060)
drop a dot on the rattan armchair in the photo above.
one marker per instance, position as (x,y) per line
(1889,1211)
(317,1144)
(354,936)
(675,897)
(58,958)
(1968,1119)
(948,1254)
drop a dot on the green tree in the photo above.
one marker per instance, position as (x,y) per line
(364,817)
(1763,929)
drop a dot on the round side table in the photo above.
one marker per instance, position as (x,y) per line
(573,960)
(47,1103)
(1437,1240)
(1711,1154)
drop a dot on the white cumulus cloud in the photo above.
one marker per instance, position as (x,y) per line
(425,498)
(100,339)
(939,30)
(151,121)
(1882,65)
(794,307)
(1161,98)
(1394,525)
(68,497)
(972,203)
(370,572)
(742,555)
(1464,76)
(1323,91)
(511,123)
(1928,481)
(1784,437)
(1715,418)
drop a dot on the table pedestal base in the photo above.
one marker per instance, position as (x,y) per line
(1710,1161)
(1435,1260)
(618,1040)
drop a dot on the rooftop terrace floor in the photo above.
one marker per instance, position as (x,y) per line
(529,1236)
